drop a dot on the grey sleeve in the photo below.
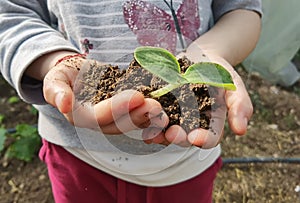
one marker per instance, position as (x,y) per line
(25,35)
(220,7)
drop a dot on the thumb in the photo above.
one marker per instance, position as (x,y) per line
(238,118)
(240,107)
(57,88)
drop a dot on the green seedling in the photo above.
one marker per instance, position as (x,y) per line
(2,138)
(164,64)
(26,143)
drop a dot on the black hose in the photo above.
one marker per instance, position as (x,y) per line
(246,160)
(13,130)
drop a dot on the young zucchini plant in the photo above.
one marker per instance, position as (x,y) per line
(164,64)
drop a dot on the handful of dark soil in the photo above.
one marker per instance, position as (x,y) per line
(188,106)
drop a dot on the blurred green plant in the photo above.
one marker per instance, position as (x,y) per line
(13,99)
(2,133)
(1,119)
(2,138)
(22,144)
(26,143)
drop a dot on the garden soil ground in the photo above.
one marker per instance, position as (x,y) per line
(274,131)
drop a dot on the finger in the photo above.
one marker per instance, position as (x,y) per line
(160,139)
(240,107)
(211,137)
(177,135)
(205,139)
(160,121)
(150,112)
(109,110)
(198,137)
(83,116)
(150,133)
(138,118)
(57,87)
(102,115)
(154,135)
(238,117)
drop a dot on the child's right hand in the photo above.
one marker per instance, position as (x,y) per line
(126,111)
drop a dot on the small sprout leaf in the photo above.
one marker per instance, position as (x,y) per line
(159,62)
(209,73)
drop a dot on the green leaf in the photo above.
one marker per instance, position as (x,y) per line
(24,148)
(2,138)
(159,62)
(26,143)
(25,130)
(209,73)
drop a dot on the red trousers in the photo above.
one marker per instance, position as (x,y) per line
(74,181)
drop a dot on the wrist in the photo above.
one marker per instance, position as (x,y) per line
(201,53)
(196,53)
(70,57)
(41,66)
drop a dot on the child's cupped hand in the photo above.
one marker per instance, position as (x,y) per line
(124,112)
(236,106)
